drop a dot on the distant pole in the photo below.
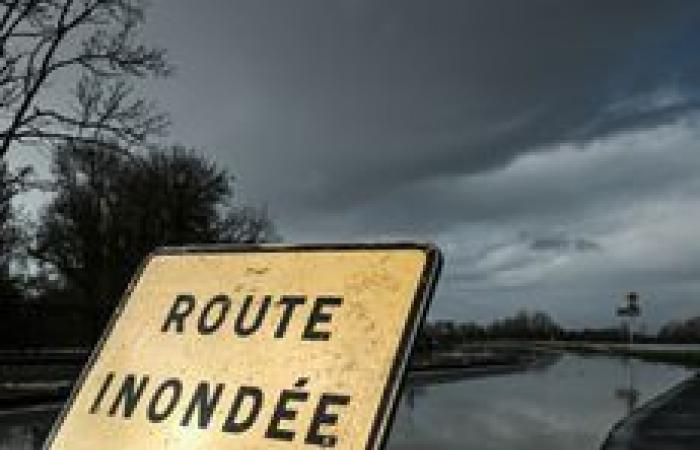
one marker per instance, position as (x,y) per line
(631,333)
(630,310)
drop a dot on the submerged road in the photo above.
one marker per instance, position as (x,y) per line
(670,421)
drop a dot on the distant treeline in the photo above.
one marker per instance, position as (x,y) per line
(538,326)
(687,331)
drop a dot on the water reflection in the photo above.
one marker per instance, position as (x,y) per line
(629,393)
(25,430)
(569,405)
(21,437)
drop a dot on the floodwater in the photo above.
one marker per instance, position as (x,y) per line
(570,404)
(25,430)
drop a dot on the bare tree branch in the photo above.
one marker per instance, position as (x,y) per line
(38,42)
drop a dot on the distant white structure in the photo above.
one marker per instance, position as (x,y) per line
(631,310)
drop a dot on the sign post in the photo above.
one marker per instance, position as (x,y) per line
(268,347)
(630,310)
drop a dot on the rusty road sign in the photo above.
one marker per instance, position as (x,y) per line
(268,347)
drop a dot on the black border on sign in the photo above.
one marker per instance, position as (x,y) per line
(384,416)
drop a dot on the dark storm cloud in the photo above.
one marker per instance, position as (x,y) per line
(517,254)
(466,88)
(561,186)
(365,97)
(563,243)
(473,123)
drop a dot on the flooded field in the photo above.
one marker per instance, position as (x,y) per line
(569,405)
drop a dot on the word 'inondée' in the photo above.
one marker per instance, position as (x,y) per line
(168,400)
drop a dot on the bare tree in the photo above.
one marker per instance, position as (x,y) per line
(96,43)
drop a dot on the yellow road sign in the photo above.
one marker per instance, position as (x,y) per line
(266,347)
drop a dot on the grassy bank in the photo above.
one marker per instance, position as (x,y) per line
(678,357)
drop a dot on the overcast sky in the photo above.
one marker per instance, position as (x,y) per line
(550,148)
